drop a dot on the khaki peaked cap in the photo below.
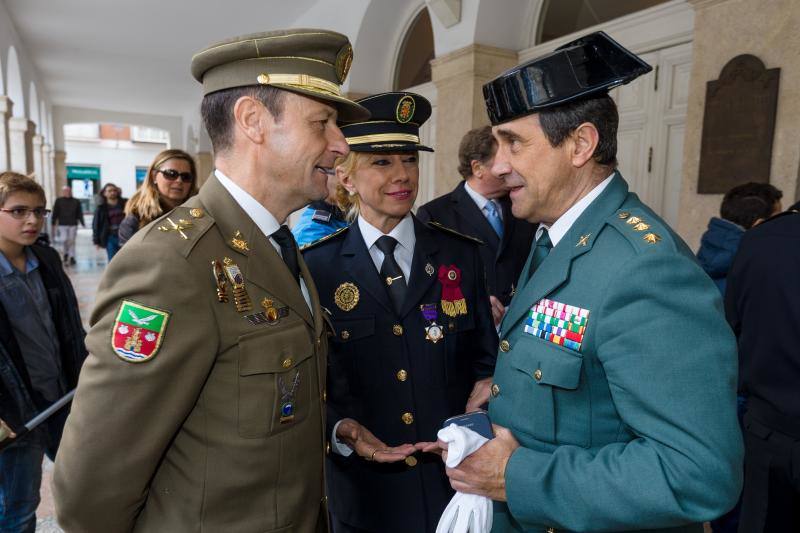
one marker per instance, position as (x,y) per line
(305,61)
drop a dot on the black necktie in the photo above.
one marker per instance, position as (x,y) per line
(540,252)
(288,245)
(391,274)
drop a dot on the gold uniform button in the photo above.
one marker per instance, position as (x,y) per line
(402,375)
(504,345)
(495,390)
(196,212)
(345,334)
(407,418)
(324,396)
(319,344)
(328,448)
(287,362)
(397,329)
(411,460)
(537,375)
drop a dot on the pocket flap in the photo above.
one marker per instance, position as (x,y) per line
(547,364)
(274,351)
(350,329)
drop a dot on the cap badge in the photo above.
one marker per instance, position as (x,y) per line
(405,109)
(346,296)
(343,61)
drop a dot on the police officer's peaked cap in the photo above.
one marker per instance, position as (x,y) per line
(306,61)
(590,65)
(393,125)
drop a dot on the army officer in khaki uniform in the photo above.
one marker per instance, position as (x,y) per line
(200,405)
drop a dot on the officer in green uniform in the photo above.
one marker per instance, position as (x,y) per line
(200,407)
(614,392)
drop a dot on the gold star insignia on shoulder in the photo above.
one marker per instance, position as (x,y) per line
(623,215)
(239,243)
(633,221)
(584,240)
(641,226)
(178,227)
(651,238)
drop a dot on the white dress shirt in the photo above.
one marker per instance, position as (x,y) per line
(262,218)
(404,234)
(561,226)
(481,201)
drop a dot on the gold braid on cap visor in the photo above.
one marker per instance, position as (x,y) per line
(380,137)
(301,81)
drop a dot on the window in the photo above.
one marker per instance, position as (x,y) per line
(562,17)
(414,64)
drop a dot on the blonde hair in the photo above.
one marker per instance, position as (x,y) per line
(13,182)
(349,202)
(145,203)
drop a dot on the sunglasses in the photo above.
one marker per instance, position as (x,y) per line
(171,175)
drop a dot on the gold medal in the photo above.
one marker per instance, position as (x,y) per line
(219,279)
(240,297)
(346,296)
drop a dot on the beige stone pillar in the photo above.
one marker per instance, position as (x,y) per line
(5,112)
(60,168)
(47,175)
(205,166)
(459,77)
(724,29)
(37,141)
(19,145)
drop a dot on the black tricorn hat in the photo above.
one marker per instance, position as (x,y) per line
(590,65)
(393,125)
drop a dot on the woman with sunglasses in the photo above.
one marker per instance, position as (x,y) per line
(170,181)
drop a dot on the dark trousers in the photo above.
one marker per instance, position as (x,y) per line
(20,481)
(771,497)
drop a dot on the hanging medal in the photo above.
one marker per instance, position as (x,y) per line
(287,397)
(453,301)
(240,297)
(433,331)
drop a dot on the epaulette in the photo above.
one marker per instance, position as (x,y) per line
(184,226)
(643,230)
(323,239)
(445,229)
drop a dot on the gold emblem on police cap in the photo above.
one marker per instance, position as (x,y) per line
(343,61)
(346,296)
(405,109)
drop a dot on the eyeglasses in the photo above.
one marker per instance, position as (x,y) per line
(172,175)
(21,213)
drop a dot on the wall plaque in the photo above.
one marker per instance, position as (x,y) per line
(738,125)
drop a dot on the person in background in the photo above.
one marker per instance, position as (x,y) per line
(320,218)
(479,207)
(41,347)
(170,181)
(67,214)
(742,208)
(108,216)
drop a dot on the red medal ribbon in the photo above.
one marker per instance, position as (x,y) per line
(453,302)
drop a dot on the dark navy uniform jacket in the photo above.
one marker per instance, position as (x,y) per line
(502,259)
(385,374)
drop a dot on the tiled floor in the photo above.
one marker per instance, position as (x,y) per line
(85,276)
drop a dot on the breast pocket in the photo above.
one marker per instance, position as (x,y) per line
(277,379)
(551,406)
(458,348)
(355,351)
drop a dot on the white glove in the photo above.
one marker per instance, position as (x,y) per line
(466,513)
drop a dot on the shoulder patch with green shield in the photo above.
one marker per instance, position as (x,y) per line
(138,331)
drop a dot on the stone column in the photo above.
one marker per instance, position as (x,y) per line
(5,111)
(37,141)
(47,176)
(205,166)
(19,143)
(59,163)
(459,77)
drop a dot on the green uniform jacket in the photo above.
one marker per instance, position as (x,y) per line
(636,429)
(192,440)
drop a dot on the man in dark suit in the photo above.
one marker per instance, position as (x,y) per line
(479,207)
(762,304)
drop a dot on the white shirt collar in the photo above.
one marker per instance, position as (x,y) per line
(477,197)
(403,233)
(265,220)
(561,226)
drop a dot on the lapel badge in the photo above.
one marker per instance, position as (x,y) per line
(584,240)
(240,297)
(651,238)
(196,212)
(433,331)
(239,243)
(429,269)
(287,397)
(346,296)
(177,228)
(453,301)
(219,279)
(270,316)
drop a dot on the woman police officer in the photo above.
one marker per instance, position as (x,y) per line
(414,341)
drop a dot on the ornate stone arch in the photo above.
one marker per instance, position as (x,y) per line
(14,83)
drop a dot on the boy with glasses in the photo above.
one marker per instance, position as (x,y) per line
(41,347)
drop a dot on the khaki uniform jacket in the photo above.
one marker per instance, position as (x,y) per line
(191,440)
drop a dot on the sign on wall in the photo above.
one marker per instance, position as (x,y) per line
(141,173)
(83,172)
